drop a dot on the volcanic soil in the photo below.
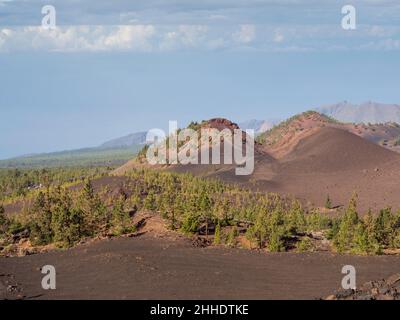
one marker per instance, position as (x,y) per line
(149,267)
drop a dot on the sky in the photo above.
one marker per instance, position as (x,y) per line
(111,68)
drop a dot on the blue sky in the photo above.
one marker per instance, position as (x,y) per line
(116,67)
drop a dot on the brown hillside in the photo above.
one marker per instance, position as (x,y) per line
(336,163)
(330,162)
(280,140)
(333,150)
(312,156)
(200,169)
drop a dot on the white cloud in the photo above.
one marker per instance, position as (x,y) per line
(185,36)
(246,34)
(130,37)
(148,37)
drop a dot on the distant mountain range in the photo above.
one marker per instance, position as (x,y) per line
(110,153)
(259,126)
(119,150)
(367,112)
(133,139)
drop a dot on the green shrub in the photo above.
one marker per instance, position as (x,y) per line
(231,238)
(217,234)
(67,226)
(258,232)
(64,215)
(304,245)
(96,218)
(41,231)
(275,243)
(328,202)
(190,223)
(343,240)
(121,220)
(150,201)
(3,221)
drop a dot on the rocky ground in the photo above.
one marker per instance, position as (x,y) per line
(165,267)
(385,289)
(9,288)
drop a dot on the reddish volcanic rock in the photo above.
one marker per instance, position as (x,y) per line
(220,124)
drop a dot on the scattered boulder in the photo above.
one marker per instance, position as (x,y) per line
(201,242)
(9,288)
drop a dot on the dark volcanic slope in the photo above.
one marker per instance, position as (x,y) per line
(225,172)
(336,150)
(338,163)
(153,268)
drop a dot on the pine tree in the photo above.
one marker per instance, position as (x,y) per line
(275,243)
(360,239)
(343,240)
(66,222)
(3,220)
(295,220)
(205,209)
(41,229)
(88,190)
(384,227)
(190,223)
(396,230)
(94,211)
(260,228)
(221,212)
(231,239)
(134,203)
(121,221)
(374,247)
(276,231)
(217,235)
(2,216)
(150,201)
